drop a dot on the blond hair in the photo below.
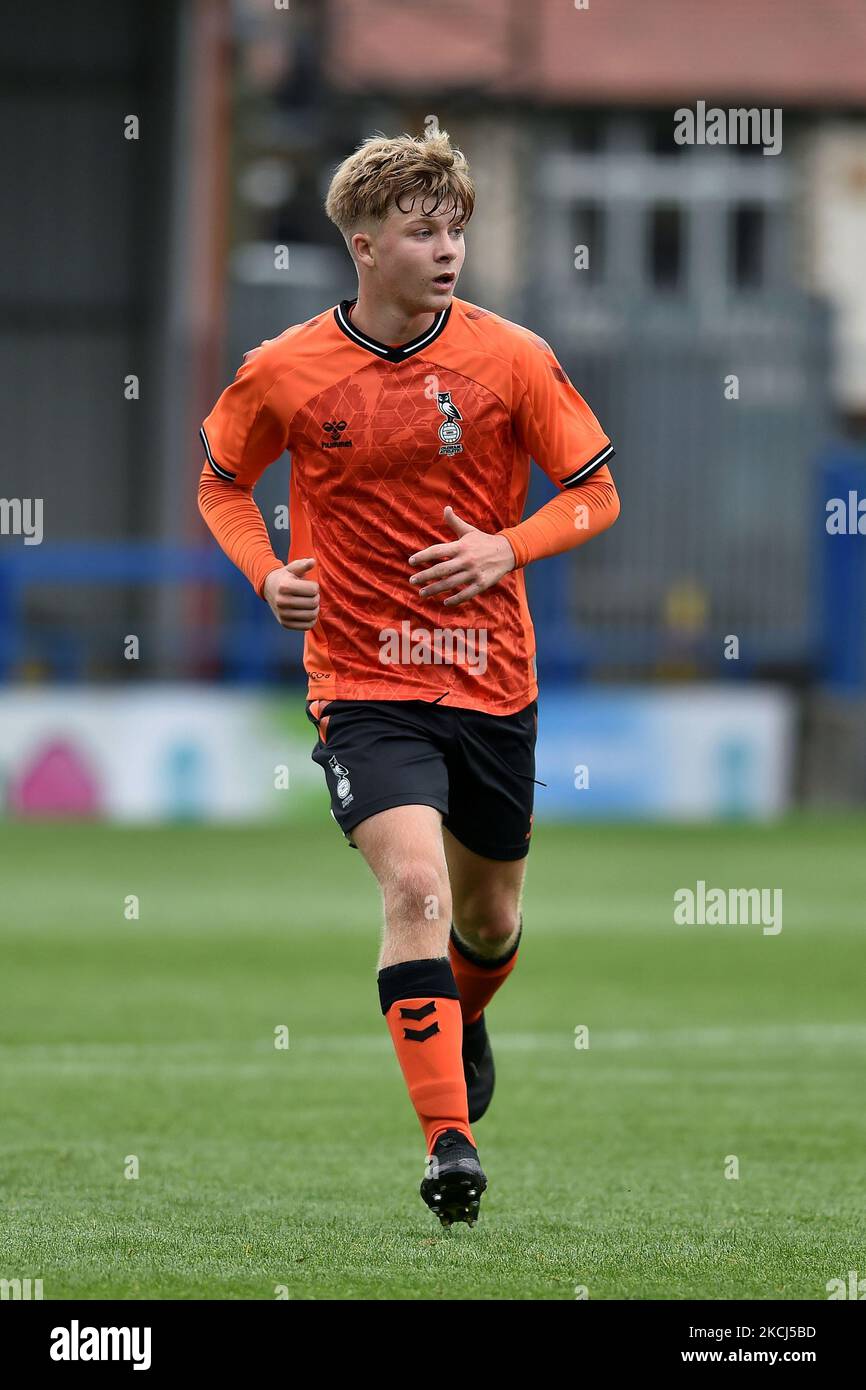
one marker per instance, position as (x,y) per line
(385,171)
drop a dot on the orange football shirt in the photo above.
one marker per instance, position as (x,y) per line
(381,439)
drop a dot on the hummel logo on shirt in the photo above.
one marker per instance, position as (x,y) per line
(335,428)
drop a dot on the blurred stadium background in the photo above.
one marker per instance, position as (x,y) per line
(705,661)
(142,268)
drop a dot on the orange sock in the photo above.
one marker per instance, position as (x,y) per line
(422,1009)
(478,978)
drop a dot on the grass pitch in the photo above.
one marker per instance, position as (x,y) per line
(267,1172)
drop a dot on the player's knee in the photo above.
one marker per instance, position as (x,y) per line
(417,889)
(488,923)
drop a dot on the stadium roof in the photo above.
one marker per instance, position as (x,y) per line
(804,52)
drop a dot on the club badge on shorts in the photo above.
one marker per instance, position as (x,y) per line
(344,786)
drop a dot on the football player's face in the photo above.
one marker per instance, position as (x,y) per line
(418,257)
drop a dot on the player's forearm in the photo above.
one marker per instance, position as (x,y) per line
(567,520)
(232,515)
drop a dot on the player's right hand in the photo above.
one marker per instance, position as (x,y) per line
(294,601)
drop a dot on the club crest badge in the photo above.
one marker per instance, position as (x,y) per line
(449,431)
(344,786)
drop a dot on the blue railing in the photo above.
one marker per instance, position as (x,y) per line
(244,644)
(840,572)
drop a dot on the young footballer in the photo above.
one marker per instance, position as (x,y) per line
(411,416)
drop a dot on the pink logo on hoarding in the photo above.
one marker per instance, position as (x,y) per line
(56,781)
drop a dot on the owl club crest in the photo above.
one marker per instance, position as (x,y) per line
(449,431)
(344,786)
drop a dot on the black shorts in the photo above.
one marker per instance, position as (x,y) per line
(477,769)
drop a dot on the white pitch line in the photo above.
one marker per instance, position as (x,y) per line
(601,1040)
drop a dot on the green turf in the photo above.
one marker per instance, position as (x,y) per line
(300,1168)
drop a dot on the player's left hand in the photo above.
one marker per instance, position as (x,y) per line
(476,560)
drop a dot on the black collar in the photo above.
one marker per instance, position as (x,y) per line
(388,354)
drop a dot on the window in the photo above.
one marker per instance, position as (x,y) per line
(665,247)
(747,225)
(660,128)
(587,229)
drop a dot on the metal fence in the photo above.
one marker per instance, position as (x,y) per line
(718,432)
